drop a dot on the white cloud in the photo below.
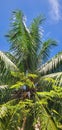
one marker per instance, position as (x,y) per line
(55,12)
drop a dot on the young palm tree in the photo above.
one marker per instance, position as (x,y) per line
(25,101)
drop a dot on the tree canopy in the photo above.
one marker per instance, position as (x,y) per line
(30,99)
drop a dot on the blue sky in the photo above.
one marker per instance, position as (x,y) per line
(51,9)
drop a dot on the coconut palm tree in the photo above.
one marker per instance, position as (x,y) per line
(26,108)
(26,42)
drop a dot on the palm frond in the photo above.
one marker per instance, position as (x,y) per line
(11,57)
(54,65)
(20,40)
(17,112)
(46,48)
(3,87)
(35,30)
(54,76)
(47,123)
(8,64)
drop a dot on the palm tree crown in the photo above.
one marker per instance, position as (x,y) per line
(26,43)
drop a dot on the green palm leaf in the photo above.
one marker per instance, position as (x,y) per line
(47,123)
(8,64)
(46,48)
(54,65)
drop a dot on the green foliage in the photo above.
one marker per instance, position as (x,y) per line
(54,96)
(17,85)
(25,111)
(5,94)
(28,100)
(26,43)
